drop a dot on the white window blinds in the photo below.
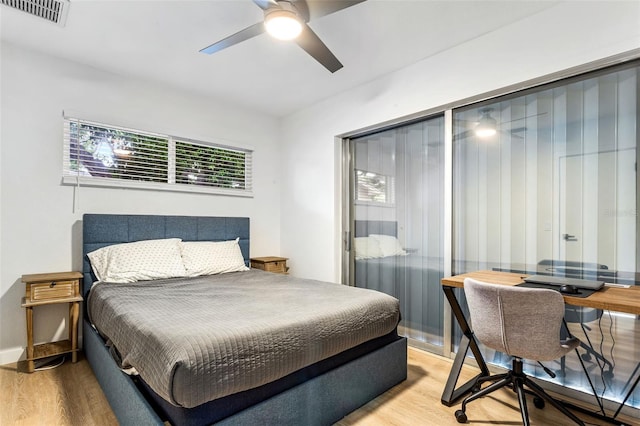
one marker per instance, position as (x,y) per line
(104,155)
(374,188)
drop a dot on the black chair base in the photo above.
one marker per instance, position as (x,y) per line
(517,380)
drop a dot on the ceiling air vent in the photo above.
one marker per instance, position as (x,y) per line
(52,10)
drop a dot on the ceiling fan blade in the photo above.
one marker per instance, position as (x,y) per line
(511,134)
(265,4)
(247,33)
(320,8)
(312,44)
(540,114)
(463,135)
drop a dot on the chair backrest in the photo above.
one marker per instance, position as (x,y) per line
(519,321)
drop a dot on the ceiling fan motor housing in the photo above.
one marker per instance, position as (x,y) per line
(283,21)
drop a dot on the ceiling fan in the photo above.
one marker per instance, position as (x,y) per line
(487,126)
(287,20)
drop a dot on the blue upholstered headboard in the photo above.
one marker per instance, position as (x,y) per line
(364,228)
(100,230)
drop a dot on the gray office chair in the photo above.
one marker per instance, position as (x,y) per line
(523,323)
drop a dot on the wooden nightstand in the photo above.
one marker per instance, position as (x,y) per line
(270,264)
(46,289)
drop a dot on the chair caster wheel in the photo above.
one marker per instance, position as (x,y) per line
(586,357)
(607,375)
(461,417)
(538,402)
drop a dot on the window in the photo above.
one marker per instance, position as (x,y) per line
(375,170)
(200,164)
(374,188)
(103,155)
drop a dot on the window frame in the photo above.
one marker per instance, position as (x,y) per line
(70,177)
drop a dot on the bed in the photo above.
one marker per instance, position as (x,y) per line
(318,393)
(402,272)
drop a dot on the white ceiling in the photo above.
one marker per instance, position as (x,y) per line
(160,41)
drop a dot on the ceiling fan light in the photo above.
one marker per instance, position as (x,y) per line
(487,127)
(485,132)
(283,24)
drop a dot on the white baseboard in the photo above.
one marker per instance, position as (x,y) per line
(10,356)
(13,355)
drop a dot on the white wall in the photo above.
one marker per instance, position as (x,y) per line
(41,232)
(570,34)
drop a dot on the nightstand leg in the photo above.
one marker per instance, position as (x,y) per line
(30,364)
(74,309)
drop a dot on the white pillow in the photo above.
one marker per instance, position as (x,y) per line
(389,245)
(208,257)
(138,261)
(366,248)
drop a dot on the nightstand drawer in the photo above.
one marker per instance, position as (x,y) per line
(270,264)
(280,266)
(53,290)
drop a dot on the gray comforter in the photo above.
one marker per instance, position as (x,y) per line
(197,339)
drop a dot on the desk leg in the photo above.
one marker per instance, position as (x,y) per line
(74,309)
(630,390)
(30,363)
(450,394)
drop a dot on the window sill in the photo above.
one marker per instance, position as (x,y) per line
(154,186)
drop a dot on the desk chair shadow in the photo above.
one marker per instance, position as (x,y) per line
(523,323)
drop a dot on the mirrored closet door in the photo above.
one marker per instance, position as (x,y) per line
(396,219)
(545,182)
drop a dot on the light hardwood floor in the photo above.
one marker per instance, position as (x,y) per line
(70,395)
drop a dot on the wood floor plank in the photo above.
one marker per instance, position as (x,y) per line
(66,395)
(70,395)
(417,401)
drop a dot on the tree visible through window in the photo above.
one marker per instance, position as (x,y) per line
(108,155)
(374,188)
(112,153)
(205,165)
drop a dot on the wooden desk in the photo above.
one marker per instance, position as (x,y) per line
(609,298)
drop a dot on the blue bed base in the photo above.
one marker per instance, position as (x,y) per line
(322,400)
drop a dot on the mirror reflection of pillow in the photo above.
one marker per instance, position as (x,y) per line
(366,248)
(389,245)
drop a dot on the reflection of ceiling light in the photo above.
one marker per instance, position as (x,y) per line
(487,125)
(283,23)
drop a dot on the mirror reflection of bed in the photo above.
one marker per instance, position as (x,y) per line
(383,261)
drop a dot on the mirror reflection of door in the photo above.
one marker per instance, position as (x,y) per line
(597,209)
